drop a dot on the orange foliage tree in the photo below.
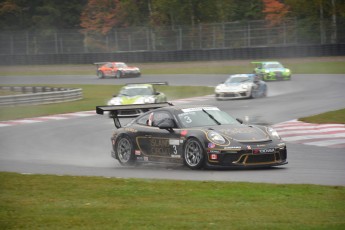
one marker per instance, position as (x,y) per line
(275,11)
(102,15)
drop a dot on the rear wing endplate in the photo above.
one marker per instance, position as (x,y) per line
(128,111)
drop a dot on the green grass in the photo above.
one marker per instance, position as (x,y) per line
(93,95)
(66,202)
(310,65)
(337,117)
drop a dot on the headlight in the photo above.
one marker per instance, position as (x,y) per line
(149,100)
(216,137)
(287,70)
(245,86)
(273,133)
(114,101)
(218,87)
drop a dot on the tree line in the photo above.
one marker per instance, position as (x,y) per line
(104,15)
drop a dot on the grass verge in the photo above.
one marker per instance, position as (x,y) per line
(337,116)
(310,65)
(65,202)
(93,95)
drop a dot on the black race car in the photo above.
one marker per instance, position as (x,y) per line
(197,136)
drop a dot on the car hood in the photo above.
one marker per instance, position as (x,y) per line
(242,133)
(233,85)
(276,69)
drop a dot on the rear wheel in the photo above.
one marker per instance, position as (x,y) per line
(124,151)
(118,74)
(193,154)
(100,74)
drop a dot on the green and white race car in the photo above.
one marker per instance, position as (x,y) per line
(271,71)
(139,93)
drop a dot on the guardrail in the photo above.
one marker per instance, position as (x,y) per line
(35,95)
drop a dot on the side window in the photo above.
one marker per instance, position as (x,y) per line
(160,116)
(143,120)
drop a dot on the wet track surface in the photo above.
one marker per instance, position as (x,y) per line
(81,146)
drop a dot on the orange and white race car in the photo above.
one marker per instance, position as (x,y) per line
(116,69)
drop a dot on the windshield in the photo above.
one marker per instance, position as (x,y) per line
(135,91)
(237,79)
(273,65)
(121,65)
(208,116)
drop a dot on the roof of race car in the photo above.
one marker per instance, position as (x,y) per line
(242,75)
(181,107)
(260,62)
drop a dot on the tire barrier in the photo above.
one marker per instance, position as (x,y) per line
(36,95)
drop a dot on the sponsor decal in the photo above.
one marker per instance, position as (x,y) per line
(211,145)
(267,150)
(146,159)
(174,142)
(248,147)
(131,130)
(137,152)
(176,156)
(214,156)
(214,151)
(233,148)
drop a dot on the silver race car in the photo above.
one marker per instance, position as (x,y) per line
(241,86)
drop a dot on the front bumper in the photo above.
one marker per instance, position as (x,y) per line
(247,158)
(276,76)
(232,95)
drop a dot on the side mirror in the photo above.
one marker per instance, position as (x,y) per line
(166,123)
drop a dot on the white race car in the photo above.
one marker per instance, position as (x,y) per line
(241,86)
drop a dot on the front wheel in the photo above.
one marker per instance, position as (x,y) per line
(100,74)
(124,151)
(193,154)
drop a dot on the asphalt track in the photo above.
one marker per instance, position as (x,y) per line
(81,146)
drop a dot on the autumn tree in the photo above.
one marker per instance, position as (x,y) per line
(275,11)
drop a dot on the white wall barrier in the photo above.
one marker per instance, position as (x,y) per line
(35,95)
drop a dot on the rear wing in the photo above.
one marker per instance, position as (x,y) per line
(100,63)
(257,63)
(128,111)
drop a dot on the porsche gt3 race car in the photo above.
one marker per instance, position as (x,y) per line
(198,136)
(272,71)
(241,86)
(116,69)
(139,93)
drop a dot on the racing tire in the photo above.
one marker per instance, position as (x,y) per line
(100,74)
(193,154)
(265,93)
(124,151)
(118,74)
(251,95)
